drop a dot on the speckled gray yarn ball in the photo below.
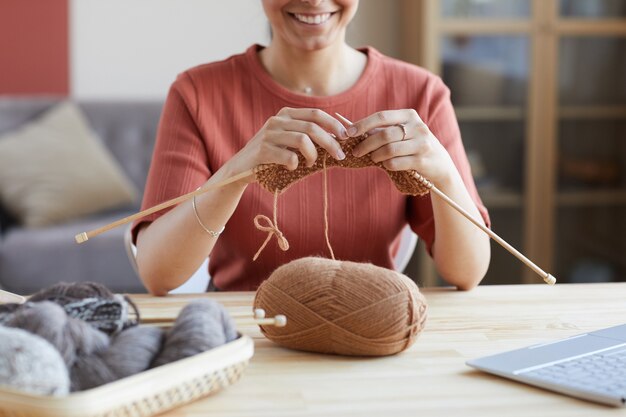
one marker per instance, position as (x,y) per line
(64,292)
(91,302)
(201,325)
(31,364)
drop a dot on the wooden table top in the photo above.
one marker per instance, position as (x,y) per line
(430,378)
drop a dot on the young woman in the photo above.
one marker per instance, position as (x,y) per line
(270,103)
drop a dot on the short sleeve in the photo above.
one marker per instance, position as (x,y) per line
(442,122)
(179,162)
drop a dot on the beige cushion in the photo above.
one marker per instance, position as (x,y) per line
(54,169)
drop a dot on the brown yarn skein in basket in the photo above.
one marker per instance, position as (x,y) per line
(342,308)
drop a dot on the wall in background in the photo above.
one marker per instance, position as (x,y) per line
(133,49)
(377,23)
(33,47)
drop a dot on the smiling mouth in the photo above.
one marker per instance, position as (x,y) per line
(312,19)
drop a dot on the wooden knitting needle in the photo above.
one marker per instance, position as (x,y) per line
(258,319)
(548,278)
(84,236)
(9,297)
(278,321)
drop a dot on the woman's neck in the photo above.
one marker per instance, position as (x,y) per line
(323,72)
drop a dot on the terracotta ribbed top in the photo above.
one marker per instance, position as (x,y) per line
(212,111)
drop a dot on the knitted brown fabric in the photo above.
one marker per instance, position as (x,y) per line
(343,308)
(275,177)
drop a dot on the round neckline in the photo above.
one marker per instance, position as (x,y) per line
(276,89)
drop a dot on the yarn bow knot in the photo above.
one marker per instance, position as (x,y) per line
(272,230)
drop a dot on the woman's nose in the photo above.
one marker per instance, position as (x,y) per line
(313,2)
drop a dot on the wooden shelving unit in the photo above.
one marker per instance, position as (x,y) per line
(591,198)
(544,118)
(503,199)
(481,113)
(592,112)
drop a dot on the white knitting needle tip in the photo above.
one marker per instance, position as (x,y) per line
(259,313)
(281,321)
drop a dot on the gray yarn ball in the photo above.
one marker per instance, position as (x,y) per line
(133,350)
(29,363)
(201,325)
(129,353)
(72,337)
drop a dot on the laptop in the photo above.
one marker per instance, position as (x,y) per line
(590,366)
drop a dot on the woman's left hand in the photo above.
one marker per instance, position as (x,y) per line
(400,140)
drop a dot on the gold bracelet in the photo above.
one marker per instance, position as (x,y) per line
(209,231)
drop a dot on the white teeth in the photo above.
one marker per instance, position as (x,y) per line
(312,19)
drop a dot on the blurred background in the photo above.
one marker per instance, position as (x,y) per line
(539,88)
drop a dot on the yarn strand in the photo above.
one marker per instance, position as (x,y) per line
(271,229)
(325,174)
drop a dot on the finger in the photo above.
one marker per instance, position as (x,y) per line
(296,140)
(317,135)
(394,150)
(400,163)
(283,156)
(382,119)
(379,139)
(319,117)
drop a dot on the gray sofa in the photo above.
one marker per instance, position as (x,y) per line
(31,259)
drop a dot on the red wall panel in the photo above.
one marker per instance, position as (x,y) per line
(34,57)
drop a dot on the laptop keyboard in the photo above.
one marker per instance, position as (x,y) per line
(603,372)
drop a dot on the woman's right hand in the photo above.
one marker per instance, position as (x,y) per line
(290,130)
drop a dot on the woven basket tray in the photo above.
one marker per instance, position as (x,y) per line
(145,394)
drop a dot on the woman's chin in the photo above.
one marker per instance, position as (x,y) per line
(316,44)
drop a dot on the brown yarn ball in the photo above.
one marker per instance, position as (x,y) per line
(341,307)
